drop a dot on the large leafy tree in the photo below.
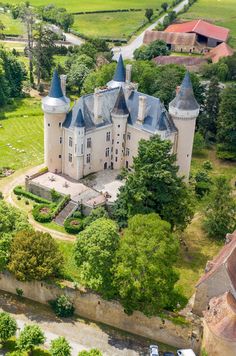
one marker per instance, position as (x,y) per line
(34,256)
(152,50)
(226,125)
(220,215)
(30,337)
(8,326)
(94,254)
(11,219)
(143,274)
(154,186)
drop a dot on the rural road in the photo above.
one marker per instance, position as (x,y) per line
(128,51)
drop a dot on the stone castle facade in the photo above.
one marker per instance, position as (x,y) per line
(102,130)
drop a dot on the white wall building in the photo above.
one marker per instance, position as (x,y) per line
(102,130)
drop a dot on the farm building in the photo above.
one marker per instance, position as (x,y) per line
(179,42)
(222,50)
(208,35)
(192,64)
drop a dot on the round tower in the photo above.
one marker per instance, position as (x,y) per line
(119,114)
(79,132)
(55,106)
(184,110)
(119,76)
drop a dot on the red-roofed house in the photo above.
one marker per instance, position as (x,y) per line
(219,277)
(222,50)
(207,33)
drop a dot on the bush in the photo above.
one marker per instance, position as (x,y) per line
(42,213)
(203,183)
(20,191)
(94,215)
(73,225)
(62,306)
(60,347)
(7,326)
(92,352)
(207,165)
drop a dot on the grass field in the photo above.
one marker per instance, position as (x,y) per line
(116,25)
(12,27)
(221,12)
(93,5)
(21,134)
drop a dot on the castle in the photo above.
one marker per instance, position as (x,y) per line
(102,130)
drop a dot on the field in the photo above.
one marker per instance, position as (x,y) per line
(116,24)
(220,12)
(21,134)
(12,27)
(93,5)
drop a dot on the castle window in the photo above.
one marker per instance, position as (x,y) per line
(60,139)
(75,148)
(59,124)
(118,126)
(49,125)
(127,151)
(118,134)
(59,156)
(82,149)
(70,157)
(88,159)
(70,142)
(89,142)
(107,152)
(128,136)
(116,159)
(116,151)
(108,136)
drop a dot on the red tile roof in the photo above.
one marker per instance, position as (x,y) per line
(182,39)
(221,316)
(201,28)
(226,257)
(220,51)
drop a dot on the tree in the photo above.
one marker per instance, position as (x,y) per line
(226,125)
(5,245)
(60,347)
(220,215)
(208,119)
(30,337)
(94,253)
(92,352)
(164,6)
(143,273)
(2,27)
(11,219)
(34,256)
(8,327)
(154,186)
(149,14)
(154,49)
(94,215)
(62,306)
(198,143)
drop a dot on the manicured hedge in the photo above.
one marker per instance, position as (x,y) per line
(40,216)
(22,192)
(73,228)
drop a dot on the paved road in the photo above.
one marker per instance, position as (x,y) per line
(127,51)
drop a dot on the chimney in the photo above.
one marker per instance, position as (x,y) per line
(63,83)
(97,105)
(128,73)
(177,90)
(142,109)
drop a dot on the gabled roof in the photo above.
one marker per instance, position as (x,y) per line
(119,75)
(55,90)
(172,38)
(186,61)
(201,28)
(185,99)
(220,51)
(226,258)
(120,107)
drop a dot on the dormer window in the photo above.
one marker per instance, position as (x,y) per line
(108,136)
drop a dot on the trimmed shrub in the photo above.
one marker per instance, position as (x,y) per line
(62,306)
(43,213)
(22,192)
(73,225)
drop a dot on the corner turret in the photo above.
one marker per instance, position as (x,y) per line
(119,76)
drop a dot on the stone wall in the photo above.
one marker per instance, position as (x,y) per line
(38,189)
(93,307)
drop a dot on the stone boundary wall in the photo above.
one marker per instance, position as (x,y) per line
(93,307)
(38,189)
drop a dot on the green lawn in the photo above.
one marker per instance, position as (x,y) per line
(12,27)
(115,25)
(221,12)
(21,134)
(70,270)
(93,5)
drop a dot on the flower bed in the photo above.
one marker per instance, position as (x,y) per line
(73,225)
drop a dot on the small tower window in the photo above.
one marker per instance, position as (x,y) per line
(70,157)
(88,159)
(118,126)
(107,153)
(82,149)
(60,140)
(116,159)
(128,136)
(59,124)
(116,151)
(108,136)
(127,151)
(89,142)
(59,156)
(70,142)
(49,125)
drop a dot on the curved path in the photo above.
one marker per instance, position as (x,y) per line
(128,51)
(7,191)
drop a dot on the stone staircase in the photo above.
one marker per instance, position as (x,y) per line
(66,212)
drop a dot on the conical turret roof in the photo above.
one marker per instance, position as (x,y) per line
(185,99)
(120,107)
(55,90)
(79,122)
(119,75)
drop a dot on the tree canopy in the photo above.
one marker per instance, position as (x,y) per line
(8,326)
(152,50)
(143,273)
(30,337)
(60,347)
(153,186)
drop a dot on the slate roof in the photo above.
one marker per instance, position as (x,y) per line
(120,107)
(157,118)
(119,75)
(185,99)
(172,38)
(220,51)
(79,122)
(201,28)
(55,90)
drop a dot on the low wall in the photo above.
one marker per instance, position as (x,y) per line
(39,190)
(93,307)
